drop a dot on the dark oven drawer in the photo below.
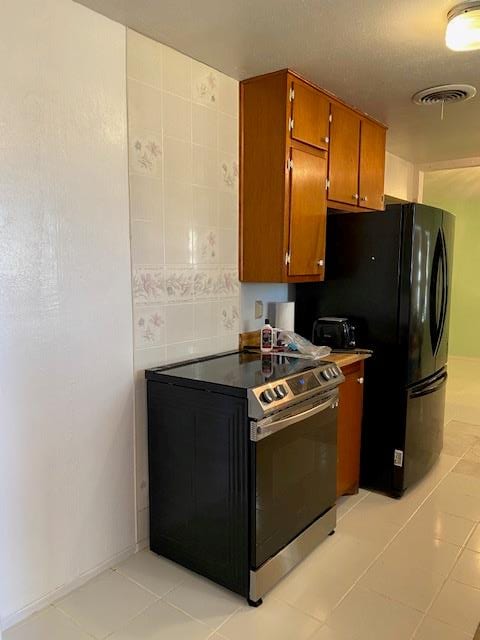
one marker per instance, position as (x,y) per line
(294,472)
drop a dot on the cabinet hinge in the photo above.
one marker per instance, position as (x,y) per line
(330,118)
(327,184)
(287,258)
(290,124)
(289,164)
(292,94)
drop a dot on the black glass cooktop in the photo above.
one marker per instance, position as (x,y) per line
(239,370)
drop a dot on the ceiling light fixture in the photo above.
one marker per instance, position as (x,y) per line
(463,28)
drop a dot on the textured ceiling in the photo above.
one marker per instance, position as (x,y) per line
(374,54)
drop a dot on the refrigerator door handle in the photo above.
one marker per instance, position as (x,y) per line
(433,386)
(445,291)
(438,308)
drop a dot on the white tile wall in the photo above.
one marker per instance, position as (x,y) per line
(183,159)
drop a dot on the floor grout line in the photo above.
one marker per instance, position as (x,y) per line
(212,629)
(439,589)
(139,584)
(127,622)
(388,545)
(74,620)
(367,493)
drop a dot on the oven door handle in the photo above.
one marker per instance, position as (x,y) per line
(261,430)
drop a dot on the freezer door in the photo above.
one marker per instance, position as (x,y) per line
(443,289)
(424,267)
(423,432)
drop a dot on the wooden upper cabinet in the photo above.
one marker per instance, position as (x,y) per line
(309,122)
(344,155)
(372,165)
(308,210)
(288,145)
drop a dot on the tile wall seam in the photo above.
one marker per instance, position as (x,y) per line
(134,373)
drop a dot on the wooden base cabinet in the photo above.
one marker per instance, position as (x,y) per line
(349,429)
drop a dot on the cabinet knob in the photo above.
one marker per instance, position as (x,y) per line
(355,196)
(360,380)
(364,199)
(326,139)
(320,263)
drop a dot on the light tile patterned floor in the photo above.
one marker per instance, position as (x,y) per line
(395,570)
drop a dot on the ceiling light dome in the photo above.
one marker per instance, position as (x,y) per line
(463,29)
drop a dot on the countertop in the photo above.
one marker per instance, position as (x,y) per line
(344,359)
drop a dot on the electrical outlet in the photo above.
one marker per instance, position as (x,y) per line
(258,309)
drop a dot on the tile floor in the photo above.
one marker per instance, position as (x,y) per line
(394,570)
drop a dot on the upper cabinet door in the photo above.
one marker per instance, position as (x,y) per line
(308,211)
(310,115)
(344,155)
(372,165)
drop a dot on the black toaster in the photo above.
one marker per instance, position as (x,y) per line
(336,333)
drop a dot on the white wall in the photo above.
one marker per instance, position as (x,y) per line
(66,397)
(403,180)
(183,153)
(266,293)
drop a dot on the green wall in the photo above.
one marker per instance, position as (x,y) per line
(458,191)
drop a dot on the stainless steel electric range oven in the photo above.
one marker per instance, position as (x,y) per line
(242,465)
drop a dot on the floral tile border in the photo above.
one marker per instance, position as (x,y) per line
(205,283)
(215,283)
(228,283)
(148,284)
(179,284)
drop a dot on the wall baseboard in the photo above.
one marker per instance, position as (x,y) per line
(46,600)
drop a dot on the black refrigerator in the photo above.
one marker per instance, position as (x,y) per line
(391,272)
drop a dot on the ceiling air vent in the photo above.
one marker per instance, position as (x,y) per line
(445,94)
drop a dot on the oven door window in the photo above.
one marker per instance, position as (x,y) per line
(295,481)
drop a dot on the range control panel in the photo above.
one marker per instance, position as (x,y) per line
(270,397)
(304,382)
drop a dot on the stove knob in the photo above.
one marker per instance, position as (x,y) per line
(280,391)
(332,372)
(267,396)
(325,374)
